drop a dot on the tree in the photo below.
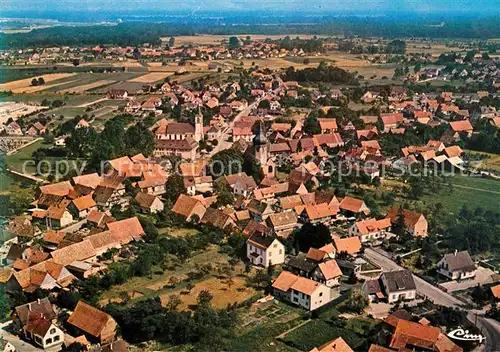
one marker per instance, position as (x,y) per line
(311,125)
(400,226)
(5,308)
(264,104)
(204,298)
(227,162)
(356,302)
(173,281)
(41,81)
(174,187)
(171,42)
(234,43)
(314,236)
(306,61)
(149,229)
(396,47)
(81,142)
(76,62)
(139,139)
(173,302)
(34,82)
(225,195)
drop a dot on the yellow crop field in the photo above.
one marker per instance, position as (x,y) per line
(35,89)
(151,77)
(26,82)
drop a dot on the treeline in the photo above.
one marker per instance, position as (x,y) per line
(323,73)
(308,45)
(135,33)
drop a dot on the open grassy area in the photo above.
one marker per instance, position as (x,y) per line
(177,232)
(70,100)
(223,290)
(157,283)
(472,191)
(17,160)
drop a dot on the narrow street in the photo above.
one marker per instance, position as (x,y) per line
(224,142)
(489,327)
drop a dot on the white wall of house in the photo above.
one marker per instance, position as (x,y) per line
(401,295)
(275,254)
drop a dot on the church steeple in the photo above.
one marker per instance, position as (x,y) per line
(198,126)
(260,137)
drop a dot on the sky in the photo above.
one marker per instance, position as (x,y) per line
(364,6)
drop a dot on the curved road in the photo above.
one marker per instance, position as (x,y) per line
(489,327)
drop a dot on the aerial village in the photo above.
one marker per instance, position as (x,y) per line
(262,197)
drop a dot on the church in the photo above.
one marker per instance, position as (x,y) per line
(178,138)
(260,150)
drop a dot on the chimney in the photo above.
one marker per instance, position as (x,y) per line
(456,251)
(38,300)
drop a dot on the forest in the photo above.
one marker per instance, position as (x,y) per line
(135,33)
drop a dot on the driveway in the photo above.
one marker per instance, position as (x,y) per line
(483,276)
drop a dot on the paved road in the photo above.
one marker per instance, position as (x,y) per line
(224,142)
(489,327)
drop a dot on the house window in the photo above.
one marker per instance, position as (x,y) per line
(48,341)
(52,331)
(270,254)
(394,297)
(275,245)
(321,294)
(56,338)
(281,251)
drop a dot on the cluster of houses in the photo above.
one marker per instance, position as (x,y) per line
(253,49)
(39,323)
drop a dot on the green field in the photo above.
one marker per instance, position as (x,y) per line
(472,191)
(69,111)
(17,160)
(70,100)
(318,332)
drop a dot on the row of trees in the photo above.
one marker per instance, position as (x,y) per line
(323,73)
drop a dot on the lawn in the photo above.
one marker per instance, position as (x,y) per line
(159,279)
(17,160)
(68,111)
(177,232)
(472,191)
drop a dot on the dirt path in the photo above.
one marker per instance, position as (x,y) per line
(91,103)
(280,336)
(476,189)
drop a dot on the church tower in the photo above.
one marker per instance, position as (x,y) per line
(261,147)
(198,126)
